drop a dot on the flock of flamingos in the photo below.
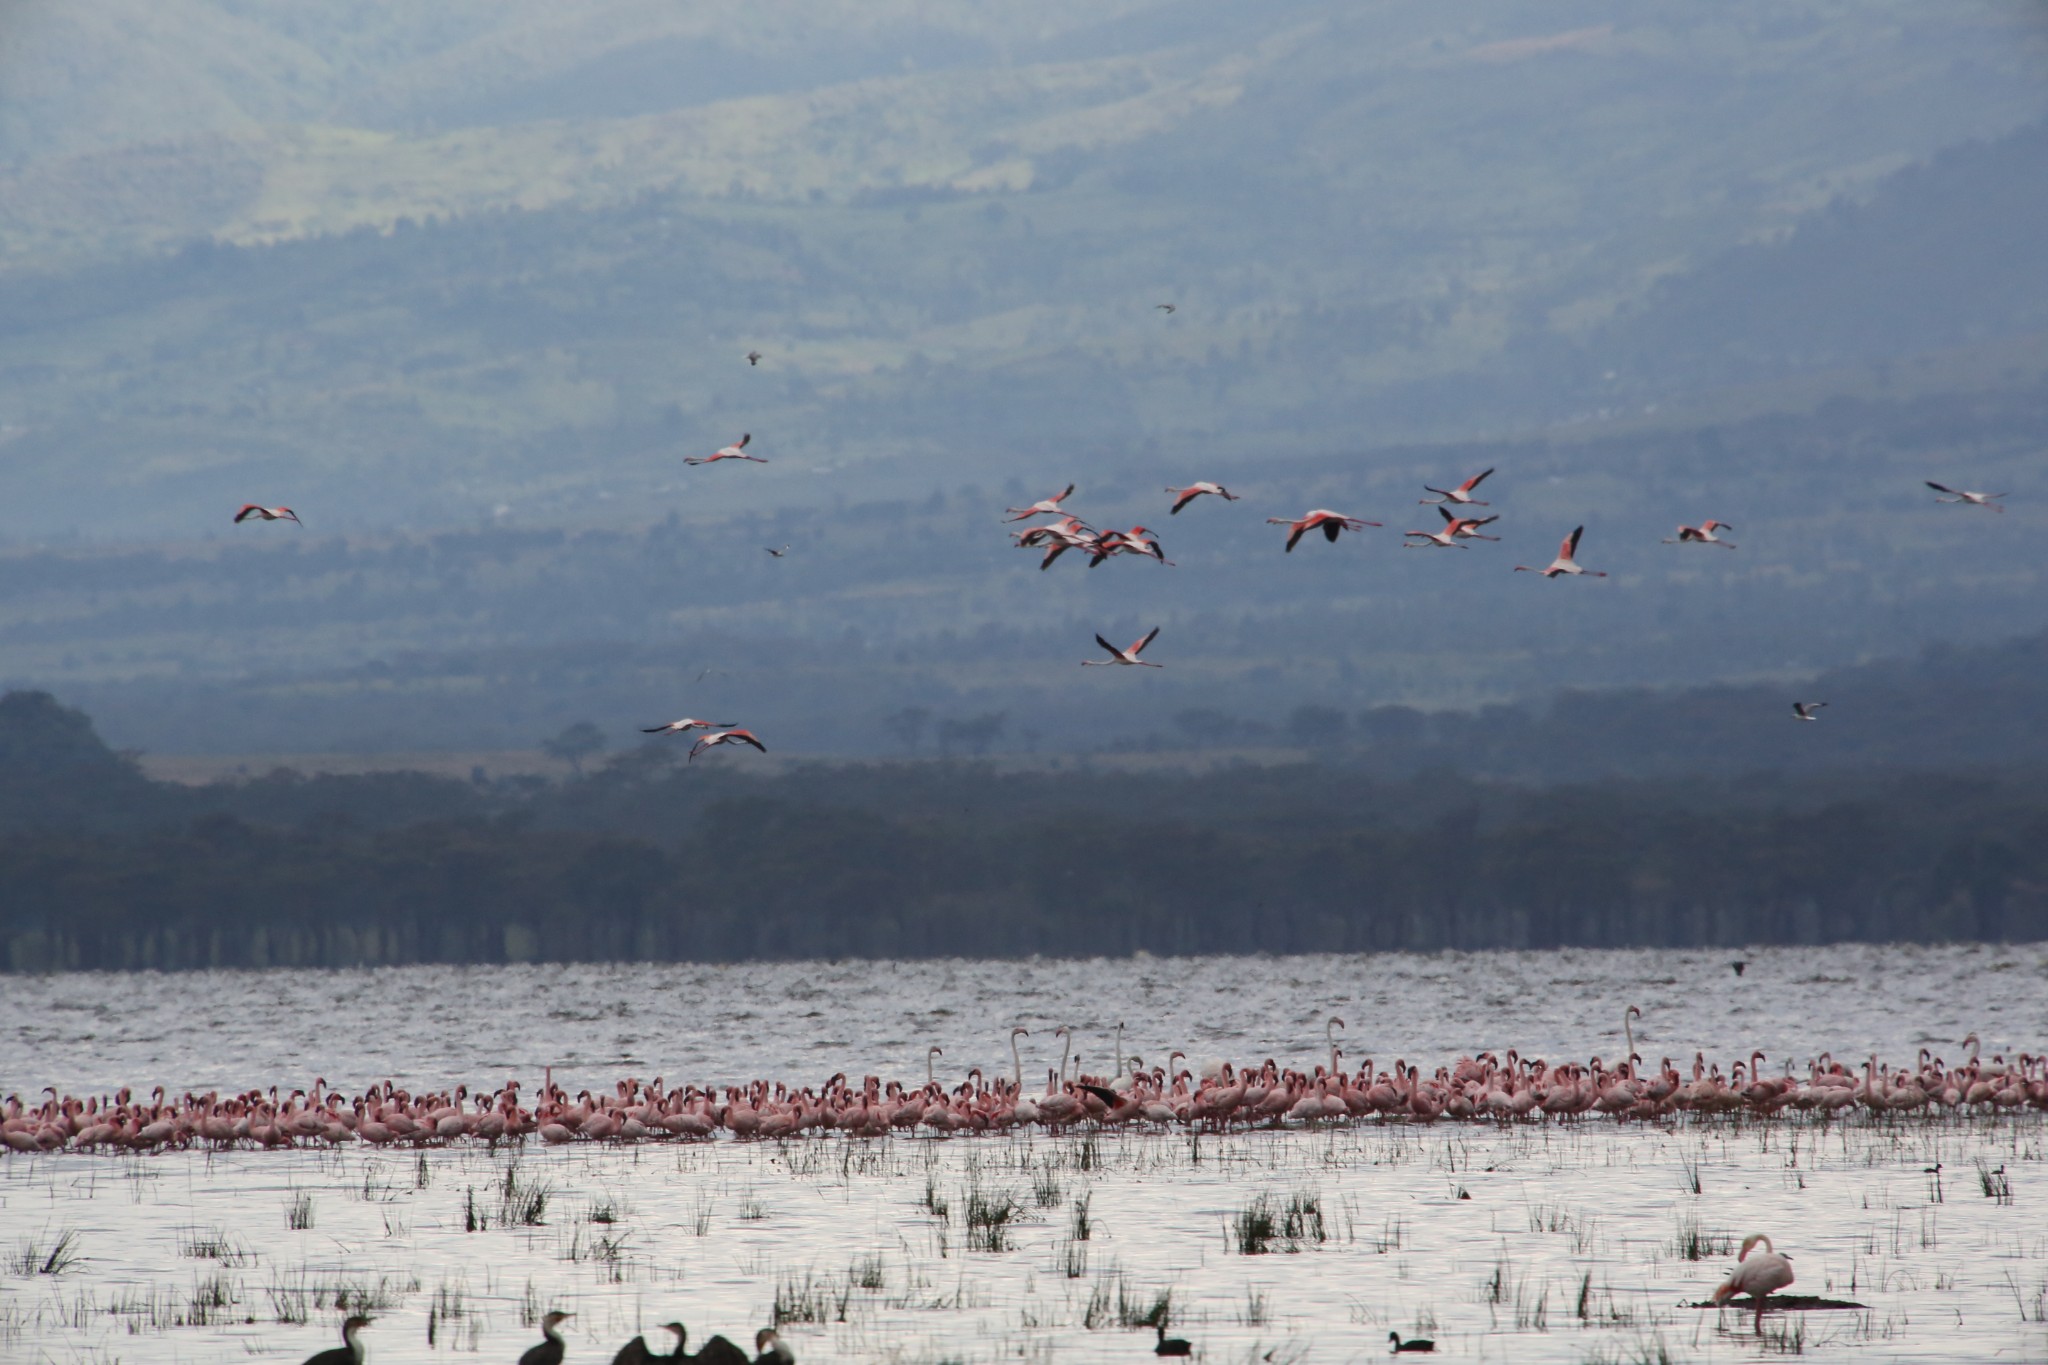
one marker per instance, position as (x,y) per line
(1490,1087)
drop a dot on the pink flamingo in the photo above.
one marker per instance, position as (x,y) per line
(1768,1273)
(1183,496)
(250,509)
(1043,507)
(1330,523)
(1959,495)
(1124,656)
(1462,494)
(685,725)
(1702,534)
(726,737)
(1564,563)
(736,451)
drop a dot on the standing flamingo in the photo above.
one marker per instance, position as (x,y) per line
(1768,1273)
(1564,563)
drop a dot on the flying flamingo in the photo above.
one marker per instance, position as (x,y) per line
(735,451)
(1167,307)
(726,737)
(685,725)
(1702,534)
(250,509)
(1183,496)
(1963,495)
(1768,1273)
(1330,522)
(1123,656)
(1138,540)
(1806,710)
(1044,506)
(1564,563)
(1462,494)
(1456,528)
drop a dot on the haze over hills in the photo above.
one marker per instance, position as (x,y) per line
(464,282)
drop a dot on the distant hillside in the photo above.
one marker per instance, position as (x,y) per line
(523,246)
(645,860)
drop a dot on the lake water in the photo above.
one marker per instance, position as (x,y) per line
(1534,1243)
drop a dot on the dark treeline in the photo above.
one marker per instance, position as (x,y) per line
(101,868)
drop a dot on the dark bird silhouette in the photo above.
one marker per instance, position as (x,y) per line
(551,1349)
(719,1351)
(753,357)
(1171,1346)
(775,552)
(350,1352)
(1416,1344)
(773,1350)
(635,1352)
(1806,710)
(1738,966)
(1164,307)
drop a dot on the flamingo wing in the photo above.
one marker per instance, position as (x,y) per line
(1187,495)
(1943,488)
(744,737)
(248,509)
(1474,481)
(1114,651)
(1571,543)
(1331,526)
(1139,648)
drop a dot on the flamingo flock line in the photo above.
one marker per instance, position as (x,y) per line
(1488,1087)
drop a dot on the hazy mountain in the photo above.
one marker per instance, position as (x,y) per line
(463,282)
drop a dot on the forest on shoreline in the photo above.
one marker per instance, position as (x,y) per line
(647,859)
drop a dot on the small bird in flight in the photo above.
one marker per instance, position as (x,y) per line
(1964,495)
(685,725)
(250,509)
(1564,563)
(1702,534)
(1330,522)
(1807,710)
(1044,506)
(1165,307)
(1461,494)
(776,553)
(1124,656)
(725,737)
(753,357)
(1183,496)
(735,451)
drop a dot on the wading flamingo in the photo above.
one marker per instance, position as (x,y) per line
(1759,1278)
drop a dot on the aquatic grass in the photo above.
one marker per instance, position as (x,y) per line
(212,1244)
(989,1216)
(33,1256)
(1046,1188)
(1993,1182)
(298,1212)
(521,1204)
(809,1299)
(1694,1243)
(1081,1228)
(606,1210)
(867,1272)
(1264,1223)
